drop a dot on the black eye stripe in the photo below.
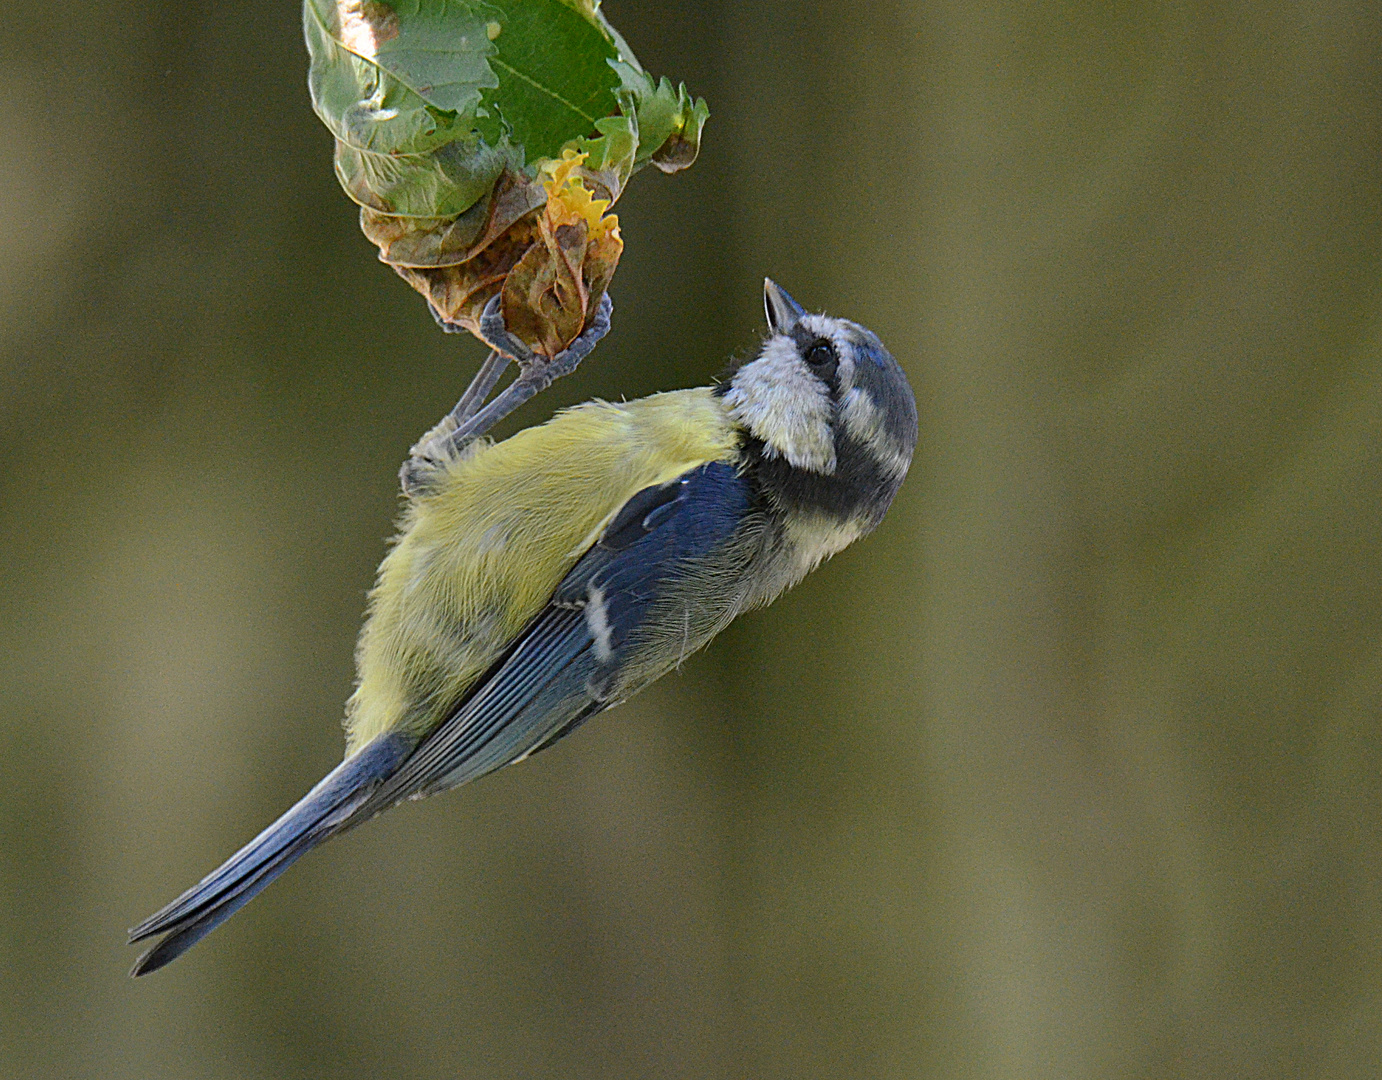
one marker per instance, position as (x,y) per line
(821,358)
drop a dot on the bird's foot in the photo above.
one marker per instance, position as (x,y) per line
(472,417)
(496,335)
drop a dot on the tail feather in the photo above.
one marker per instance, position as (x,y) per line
(340,800)
(240,894)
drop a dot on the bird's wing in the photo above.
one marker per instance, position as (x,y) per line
(562,667)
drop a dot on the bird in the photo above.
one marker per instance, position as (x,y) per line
(539,580)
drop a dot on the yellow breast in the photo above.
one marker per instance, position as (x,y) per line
(480,553)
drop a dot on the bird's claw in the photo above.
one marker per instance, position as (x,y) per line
(570,357)
(446,325)
(496,335)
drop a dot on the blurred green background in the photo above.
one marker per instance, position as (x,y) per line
(1072,770)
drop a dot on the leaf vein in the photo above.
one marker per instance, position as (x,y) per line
(542,89)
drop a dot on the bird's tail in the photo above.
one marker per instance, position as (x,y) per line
(340,800)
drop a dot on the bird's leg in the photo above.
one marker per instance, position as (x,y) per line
(432,449)
(536,373)
(471,417)
(480,387)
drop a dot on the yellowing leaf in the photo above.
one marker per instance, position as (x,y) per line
(569,199)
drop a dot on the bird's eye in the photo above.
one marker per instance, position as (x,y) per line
(822,360)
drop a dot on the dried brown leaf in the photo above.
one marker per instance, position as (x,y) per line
(434,242)
(459,293)
(545,297)
(547,244)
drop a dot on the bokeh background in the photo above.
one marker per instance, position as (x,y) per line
(1073,770)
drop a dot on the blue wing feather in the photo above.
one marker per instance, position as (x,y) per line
(555,677)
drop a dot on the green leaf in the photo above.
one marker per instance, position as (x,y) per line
(439,49)
(437,107)
(555,81)
(481,85)
(669,120)
(656,123)
(611,154)
(441,184)
(364,106)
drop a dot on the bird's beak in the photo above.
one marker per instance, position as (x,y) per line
(783,312)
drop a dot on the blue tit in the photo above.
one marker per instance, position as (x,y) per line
(545,578)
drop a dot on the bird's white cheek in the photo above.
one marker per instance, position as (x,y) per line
(786,407)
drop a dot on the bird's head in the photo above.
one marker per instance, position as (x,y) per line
(825,406)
